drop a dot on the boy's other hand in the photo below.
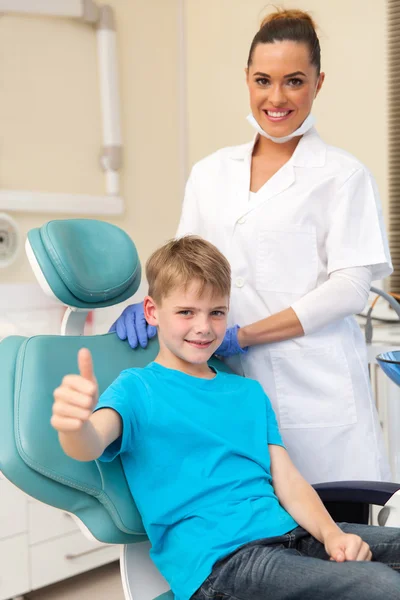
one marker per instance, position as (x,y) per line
(76,397)
(347,546)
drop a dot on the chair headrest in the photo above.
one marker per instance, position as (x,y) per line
(86,263)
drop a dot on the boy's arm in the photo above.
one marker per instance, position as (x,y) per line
(83,435)
(302,502)
(298,497)
(93,437)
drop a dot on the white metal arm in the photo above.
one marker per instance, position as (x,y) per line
(102,18)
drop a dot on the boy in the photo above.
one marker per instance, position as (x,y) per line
(226,511)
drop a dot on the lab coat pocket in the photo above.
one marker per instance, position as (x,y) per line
(313,388)
(287,259)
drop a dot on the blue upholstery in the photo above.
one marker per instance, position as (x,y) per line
(31,456)
(87,263)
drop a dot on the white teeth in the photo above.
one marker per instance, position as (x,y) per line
(277,114)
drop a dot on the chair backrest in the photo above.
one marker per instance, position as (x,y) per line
(30,454)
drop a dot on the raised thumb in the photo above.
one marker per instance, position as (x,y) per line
(85,364)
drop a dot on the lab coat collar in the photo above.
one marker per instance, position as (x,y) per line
(310,151)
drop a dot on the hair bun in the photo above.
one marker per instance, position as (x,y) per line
(282,14)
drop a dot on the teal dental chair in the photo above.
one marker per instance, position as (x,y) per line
(88,264)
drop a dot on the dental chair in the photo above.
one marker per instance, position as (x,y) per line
(88,264)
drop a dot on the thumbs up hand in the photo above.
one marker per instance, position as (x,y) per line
(76,397)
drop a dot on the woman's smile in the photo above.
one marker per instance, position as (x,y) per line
(278,115)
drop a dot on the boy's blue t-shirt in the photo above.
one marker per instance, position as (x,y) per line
(195,455)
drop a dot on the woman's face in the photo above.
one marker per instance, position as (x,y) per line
(282,84)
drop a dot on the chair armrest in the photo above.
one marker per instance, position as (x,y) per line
(369,492)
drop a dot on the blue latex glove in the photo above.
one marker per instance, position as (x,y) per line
(132,324)
(230,345)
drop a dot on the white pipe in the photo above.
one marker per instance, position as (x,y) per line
(182,96)
(109,90)
(112,183)
(61,8)
(46,202)
(111,157)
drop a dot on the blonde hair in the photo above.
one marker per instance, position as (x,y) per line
(183,261)
(289,25)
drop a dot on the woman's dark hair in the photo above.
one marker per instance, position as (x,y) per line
(289,25)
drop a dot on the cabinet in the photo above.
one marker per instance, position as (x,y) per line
(40,545)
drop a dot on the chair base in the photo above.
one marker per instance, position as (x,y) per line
(140,578)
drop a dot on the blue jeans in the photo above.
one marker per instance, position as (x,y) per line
(295,566)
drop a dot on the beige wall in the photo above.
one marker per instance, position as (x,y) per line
(351,109)
(50,114)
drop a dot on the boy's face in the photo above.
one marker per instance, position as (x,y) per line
(190,326)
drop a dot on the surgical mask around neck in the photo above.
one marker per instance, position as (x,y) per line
(306,126)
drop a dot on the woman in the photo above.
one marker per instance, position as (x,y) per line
(301,225)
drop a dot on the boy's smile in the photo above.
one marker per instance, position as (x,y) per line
(191,326)
(199,344)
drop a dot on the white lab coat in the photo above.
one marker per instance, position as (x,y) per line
(319,213)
